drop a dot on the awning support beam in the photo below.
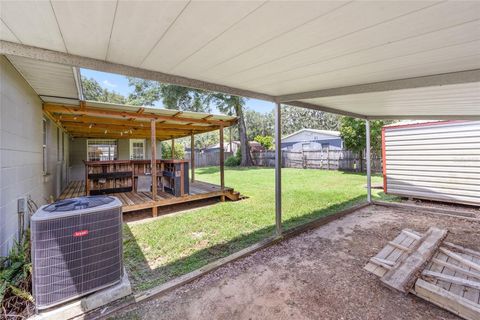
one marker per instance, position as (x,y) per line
(368,158)
(278,169)
(222,165)
(22,50)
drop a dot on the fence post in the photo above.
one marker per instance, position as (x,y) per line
(328,158)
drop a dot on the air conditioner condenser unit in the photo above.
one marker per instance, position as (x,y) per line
(76,248)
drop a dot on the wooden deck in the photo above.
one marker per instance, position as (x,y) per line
(133,201)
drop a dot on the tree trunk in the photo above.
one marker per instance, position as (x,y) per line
(246,160)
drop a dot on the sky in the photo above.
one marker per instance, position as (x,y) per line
(119,84)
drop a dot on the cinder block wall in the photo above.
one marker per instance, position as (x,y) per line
(21,165)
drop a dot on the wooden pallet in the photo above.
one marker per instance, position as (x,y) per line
(449,278)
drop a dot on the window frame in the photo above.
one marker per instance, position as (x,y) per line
(115,151)
(131,142)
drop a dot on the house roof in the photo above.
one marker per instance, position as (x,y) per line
(325,132)
(89,119)
(401,59)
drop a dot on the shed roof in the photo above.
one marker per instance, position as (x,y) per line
(90,119)
(325,132)
(388,59)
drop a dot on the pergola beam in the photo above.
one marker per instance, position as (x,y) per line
(408,83)
(83,119)
(113,135)
(64,109)
(21,50)
(74,126)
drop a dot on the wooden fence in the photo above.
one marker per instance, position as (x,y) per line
(318,159)
(207,159)
(307,159)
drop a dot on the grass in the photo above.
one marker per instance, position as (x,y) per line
(159,250)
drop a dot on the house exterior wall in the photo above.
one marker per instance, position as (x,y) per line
(311,140)
(435,161)
(21,156)
(78,154)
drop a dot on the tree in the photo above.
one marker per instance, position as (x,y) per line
(167,150)
(145,92)
(231,104)
(353,133)
(181,98)
(259,124)
(295,118)
(92,90)
(265,141)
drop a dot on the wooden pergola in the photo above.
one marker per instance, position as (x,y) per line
(89,119)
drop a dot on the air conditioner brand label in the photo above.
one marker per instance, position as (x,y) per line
(81,233)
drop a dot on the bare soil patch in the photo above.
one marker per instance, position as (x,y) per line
(317,275)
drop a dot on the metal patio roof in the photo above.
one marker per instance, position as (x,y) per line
(391,59)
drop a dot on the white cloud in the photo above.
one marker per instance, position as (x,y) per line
(109,84)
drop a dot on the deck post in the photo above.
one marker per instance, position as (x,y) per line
(278,169)
(231,150)
(173,148)
(154,165)
(222,164)
(367,156)
(192,156)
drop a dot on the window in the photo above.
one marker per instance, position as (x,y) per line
(44,146)
(101,150)
(137,149)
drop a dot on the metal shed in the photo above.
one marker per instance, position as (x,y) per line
(433,160)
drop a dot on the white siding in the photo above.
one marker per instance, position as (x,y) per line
(434,161)
(21,151)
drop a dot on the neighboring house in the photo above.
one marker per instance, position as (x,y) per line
(254,147)
(312,139)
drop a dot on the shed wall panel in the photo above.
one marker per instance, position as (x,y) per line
(435,161)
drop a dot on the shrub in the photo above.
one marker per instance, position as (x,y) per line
(232,161)
(16,281)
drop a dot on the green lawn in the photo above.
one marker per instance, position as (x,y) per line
(159,250)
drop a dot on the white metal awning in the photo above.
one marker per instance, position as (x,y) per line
(271,50)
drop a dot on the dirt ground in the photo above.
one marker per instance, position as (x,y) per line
(316,275)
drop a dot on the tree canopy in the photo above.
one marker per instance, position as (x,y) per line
(92,90)
(353,133)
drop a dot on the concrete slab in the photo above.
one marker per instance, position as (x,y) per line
(95,300)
